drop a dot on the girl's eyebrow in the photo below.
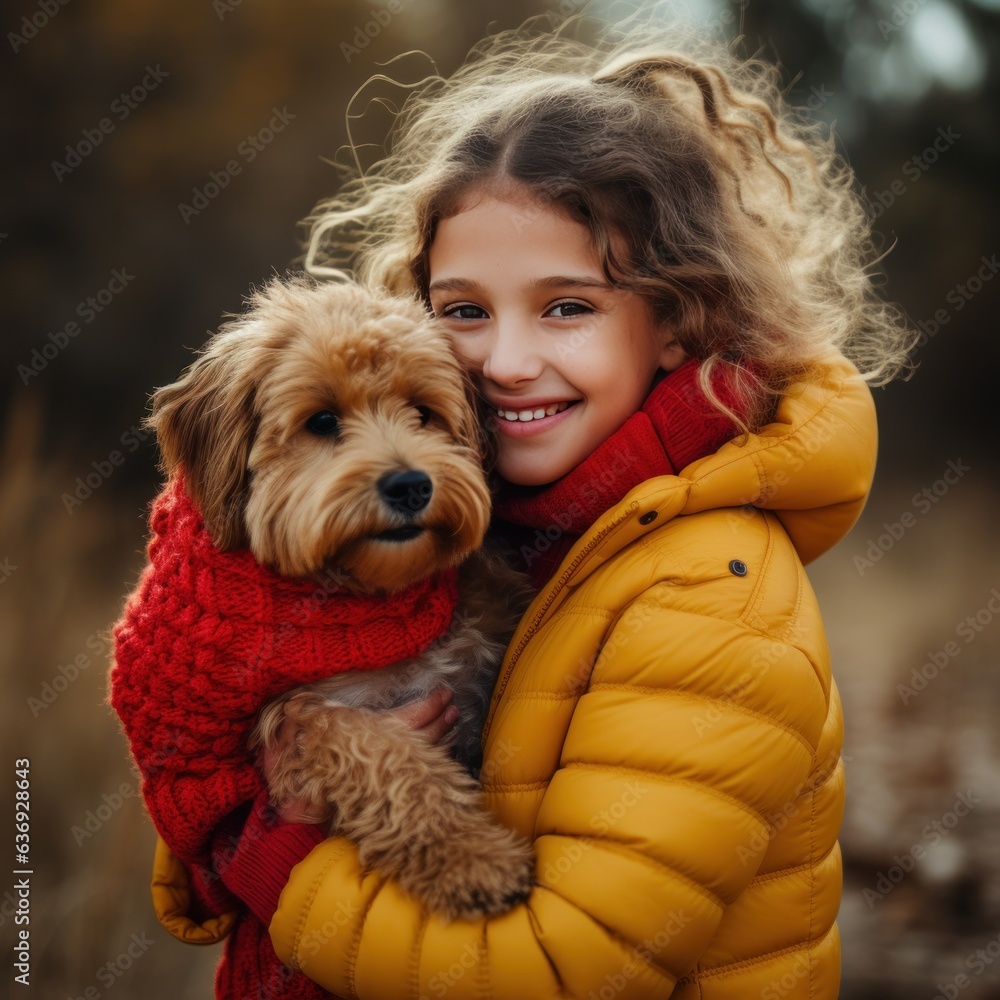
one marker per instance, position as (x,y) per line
(552,281)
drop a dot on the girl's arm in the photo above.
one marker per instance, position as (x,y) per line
(656,818)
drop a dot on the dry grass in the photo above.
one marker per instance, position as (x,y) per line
(89,889)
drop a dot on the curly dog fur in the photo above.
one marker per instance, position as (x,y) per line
(333,433)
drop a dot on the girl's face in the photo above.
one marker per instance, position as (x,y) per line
(562,357)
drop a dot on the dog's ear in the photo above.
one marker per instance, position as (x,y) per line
(205,424)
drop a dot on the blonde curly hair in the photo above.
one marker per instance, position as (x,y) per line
(727,209)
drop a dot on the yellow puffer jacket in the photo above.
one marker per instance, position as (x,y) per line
(667,732)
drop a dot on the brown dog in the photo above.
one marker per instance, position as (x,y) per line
(333,433)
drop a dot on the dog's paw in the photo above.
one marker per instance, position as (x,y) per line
(482,871)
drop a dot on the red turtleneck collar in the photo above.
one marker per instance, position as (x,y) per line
(675,426)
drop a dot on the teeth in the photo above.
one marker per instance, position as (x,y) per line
(525,415)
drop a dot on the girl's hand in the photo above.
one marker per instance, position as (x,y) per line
(431,717)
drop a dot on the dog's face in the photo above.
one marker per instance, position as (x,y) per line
(331,432)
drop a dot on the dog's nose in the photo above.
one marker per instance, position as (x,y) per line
(406,492)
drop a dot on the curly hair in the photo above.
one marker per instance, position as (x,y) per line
(727,209)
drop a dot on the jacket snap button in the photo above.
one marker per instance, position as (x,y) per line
(738,568)
(648,517)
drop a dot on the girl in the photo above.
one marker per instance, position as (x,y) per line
(656,273)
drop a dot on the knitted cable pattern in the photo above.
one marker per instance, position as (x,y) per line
(208,637)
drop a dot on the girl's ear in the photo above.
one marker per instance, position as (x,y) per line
(672,355)
(205,424)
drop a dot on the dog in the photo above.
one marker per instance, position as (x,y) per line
(332,433)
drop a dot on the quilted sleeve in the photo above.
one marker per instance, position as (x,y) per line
(174,901)
(679,757)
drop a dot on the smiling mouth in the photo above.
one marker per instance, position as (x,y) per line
(527,415)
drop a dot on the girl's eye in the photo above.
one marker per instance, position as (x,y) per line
(425,415)
(324,423)
(569,309)
(464,311)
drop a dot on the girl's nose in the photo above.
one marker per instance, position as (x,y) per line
(512,355)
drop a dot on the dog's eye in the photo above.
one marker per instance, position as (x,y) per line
(323,423)
(425,415)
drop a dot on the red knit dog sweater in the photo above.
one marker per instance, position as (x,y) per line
(206,639)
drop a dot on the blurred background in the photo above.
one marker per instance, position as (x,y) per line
(158,158)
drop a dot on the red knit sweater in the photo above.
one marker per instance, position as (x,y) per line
(205,640)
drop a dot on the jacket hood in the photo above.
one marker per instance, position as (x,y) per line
(812,465)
